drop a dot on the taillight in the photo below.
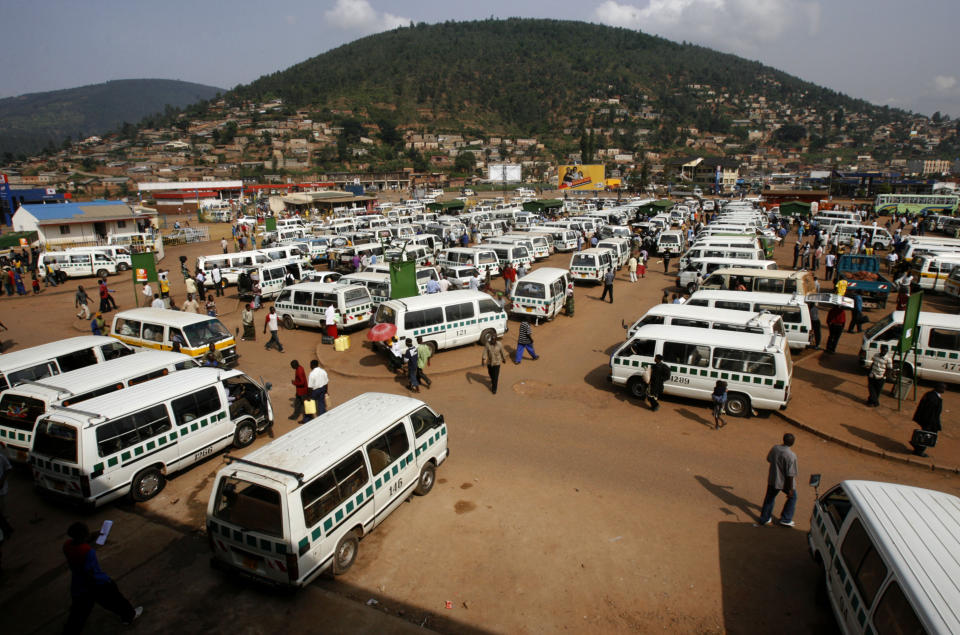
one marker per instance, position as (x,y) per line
(293,567)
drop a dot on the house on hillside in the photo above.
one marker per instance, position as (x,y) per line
(80,222)
(703,172)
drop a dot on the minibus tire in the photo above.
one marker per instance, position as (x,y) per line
(245,434)
(637,387)
(144,477)
(877,246)
(101,273)
(288,323)
(61,277)
(122,266)
(426,480)
(738,405)
(433,347)
(348,546)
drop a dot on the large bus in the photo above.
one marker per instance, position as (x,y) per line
(913,204)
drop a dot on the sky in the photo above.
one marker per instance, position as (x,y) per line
(889,52)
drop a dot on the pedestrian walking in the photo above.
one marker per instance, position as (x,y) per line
(509,277)
(815,324)
(272,323)
(89,585)
(247,321)
(608,285)
(211,306)
(423,360)
(659,373)
(632,267)
(158,303)
(224,245)
(796,254)
(829,262)
(216,278)
(881,368)
(836,319)
(412,359)
(781,477)
(147,294)
(191,285)
(857,319)
(492,358)
(80,300)
(642,264)
(719,397)
(525,343)
(666,263)
(927,416)
(318,382)
(300,390)
(191,305)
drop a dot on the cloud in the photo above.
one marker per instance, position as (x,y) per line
(360,17)
(945,83)
(741,26)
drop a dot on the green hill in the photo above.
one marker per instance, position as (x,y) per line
(31,122)
(533,76)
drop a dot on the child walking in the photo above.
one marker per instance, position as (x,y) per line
(719,403)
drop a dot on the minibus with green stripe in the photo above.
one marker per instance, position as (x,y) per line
(757,368)
(126,443)
(300,505)
(22,405)
(937,341)
(542,293)
(376,282)
(887,555)
(792,307)
(589,265)
(445,320)
(305,304)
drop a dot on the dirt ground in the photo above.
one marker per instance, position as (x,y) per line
(565,505)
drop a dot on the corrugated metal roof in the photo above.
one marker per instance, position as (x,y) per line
(80,211)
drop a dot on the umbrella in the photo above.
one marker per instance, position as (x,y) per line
(381,332)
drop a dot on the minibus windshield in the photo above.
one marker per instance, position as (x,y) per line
(251,506)
(204,333)
(535,290)
(20,412)
(56,441)
(386,315)
(582,260)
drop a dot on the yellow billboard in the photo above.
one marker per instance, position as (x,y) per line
(581,177)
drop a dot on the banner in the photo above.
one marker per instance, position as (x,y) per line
(581,177)
(403,280)
(144,269)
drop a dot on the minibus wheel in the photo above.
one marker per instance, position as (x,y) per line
(346,553)
(738,405)
(245,434)
(426,480)
(101,273)
(288,323)
(147,484)
(637,387)
(122,266)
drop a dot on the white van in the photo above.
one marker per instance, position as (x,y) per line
(272,277)
(299,505)
(118,253)
(53,358)
(876,237)
(377,284)
(937,342)
(541,293)
(887,554)
(779,281)
(539,245)
(590,264)
(127,443)
(305,304)
(411,253)
(21,405)
(917,249)
(699,252)
(491,228)
(952,286)
(509,253)
(160,328)
(697,316)
(757,368)
(445,320)
(687,278)
(563,239)
(619,249)
(671,242)
(931,271)
(791,307)
(483,258)
(77,263)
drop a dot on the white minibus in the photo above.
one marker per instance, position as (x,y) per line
(791,307)
(876,237)
(53,358)
(619,250)
(757,368)
(541,293)
(937,345)
(931,271)
(231,264)
(160,328)
(699,252)
(887,554)
(915,249)
(509,253)
(779,281)
(698,316)
(671,242)
(127,443)
(376,282)
(483,258)
(21,405)
(687,278)
(445,320)
(272,276)
(118,253)
(305,304)
(300,505)
(77,263)
(536,244)
(590,264)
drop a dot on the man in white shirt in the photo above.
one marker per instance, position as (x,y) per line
(444,284)
(330,320)
(147,293)
(318,382)
(216,277)
(273,324)
(474,282)
(158,303)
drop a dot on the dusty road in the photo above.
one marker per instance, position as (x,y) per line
(564,505)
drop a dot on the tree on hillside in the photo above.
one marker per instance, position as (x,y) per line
(465,162)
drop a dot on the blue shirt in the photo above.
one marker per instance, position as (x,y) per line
(433,286)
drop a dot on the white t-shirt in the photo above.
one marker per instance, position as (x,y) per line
(317,379)
(272,322)
(330,317)
(158,303)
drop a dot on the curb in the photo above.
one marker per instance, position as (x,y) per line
(880,454)
(387,375)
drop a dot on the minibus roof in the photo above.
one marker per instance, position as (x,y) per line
(707,337)
(544,274)
(929,318)
(166,316)
(374,276)
(743,263)
(784,274)
(724,316)
(16,359)
(120,403)
(748,296)
(417,302)
(98,375)
(322,287)
(593,251)
(918,533)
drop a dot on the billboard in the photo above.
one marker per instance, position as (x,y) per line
(504,173)
(581,177)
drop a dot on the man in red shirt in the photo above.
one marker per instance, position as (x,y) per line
(509,277)
(836,319)
(300,385)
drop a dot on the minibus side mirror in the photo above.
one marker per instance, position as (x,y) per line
(440,420)
(814,480)
(268,386)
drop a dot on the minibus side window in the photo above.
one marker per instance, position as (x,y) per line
(462,311)
(424,420)
(489,306)
(790,314)
(114,350)
(284,296)
(151,375)
(388,448)
(894,615)
(655,319)
(944,339)
(700,324)
(770,285)
(744,361)
(132,429)
(687,354)
(302,298)
(46,369)
(696,302)
(127,327)
(736,306)
(864,563)
(153,332)
(642,348)
(319,497)
(77,360)
(196,404)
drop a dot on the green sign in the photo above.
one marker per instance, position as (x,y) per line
(909,334)
(144,270)
(270,223)
(403,280)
